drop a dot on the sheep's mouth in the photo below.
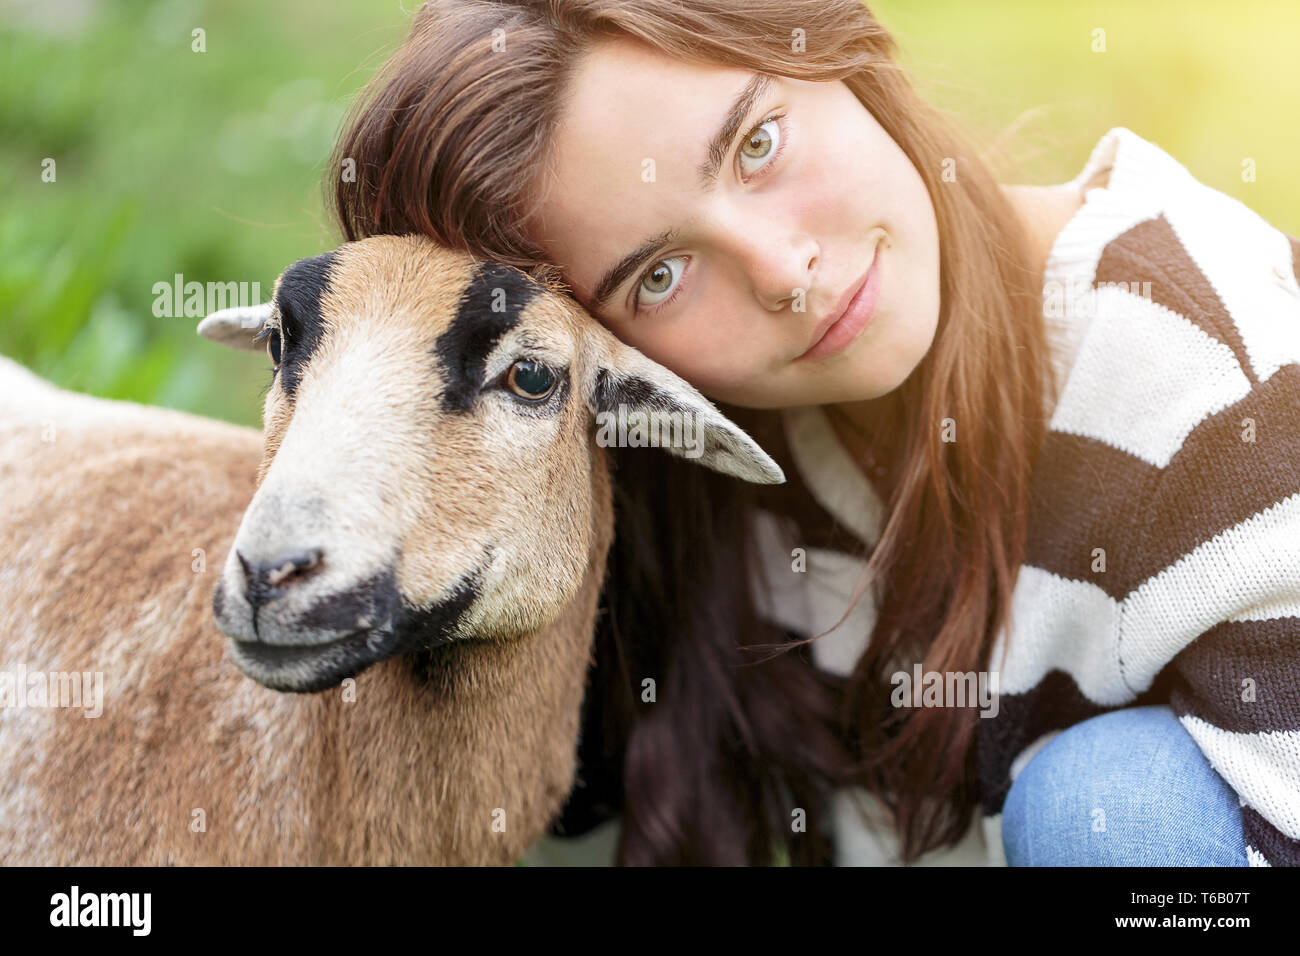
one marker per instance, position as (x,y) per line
(308,668)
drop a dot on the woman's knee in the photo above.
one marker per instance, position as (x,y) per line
(1129,787)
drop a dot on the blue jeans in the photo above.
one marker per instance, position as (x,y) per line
(1125,788)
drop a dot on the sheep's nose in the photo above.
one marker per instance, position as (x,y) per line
(265,580)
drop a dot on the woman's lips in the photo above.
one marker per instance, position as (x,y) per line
(857,316)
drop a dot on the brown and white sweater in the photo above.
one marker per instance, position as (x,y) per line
(1173,313)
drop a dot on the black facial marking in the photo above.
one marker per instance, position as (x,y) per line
(462,350)
(298,302)
(374,600)
(409,630)
(420,630)
(611,391)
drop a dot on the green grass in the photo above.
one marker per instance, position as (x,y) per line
(168,161)
(209,164)
(1210,83)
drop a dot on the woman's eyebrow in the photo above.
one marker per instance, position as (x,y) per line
(755,89)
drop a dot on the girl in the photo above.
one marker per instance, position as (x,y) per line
(1060,424)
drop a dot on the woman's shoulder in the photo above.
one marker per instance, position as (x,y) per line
(1162,291)
(1140,203)
(1177,328)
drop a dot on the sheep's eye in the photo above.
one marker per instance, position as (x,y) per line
(530,380)
(270,334)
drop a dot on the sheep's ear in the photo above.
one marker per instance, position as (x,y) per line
(236,327)
(628,392)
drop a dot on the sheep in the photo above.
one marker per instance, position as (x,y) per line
(407,565)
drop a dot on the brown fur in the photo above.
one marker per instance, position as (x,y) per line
(96,541)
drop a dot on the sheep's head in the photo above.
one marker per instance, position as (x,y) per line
(431,432)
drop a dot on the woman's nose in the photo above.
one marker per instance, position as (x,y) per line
(779,269)
(788,277)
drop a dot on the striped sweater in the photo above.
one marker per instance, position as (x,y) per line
(1163,563)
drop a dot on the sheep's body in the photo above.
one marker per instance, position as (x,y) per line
(417,537)
(104,506)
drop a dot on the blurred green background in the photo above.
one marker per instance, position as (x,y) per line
(209,164)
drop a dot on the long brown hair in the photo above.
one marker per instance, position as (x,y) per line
(447,140)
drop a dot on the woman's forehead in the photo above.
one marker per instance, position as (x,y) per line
(627,152)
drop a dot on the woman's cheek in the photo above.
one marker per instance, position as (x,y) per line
(731,373)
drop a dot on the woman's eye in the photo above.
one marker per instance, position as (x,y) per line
(659,281)
(763,142)
(530,380)
(274,347)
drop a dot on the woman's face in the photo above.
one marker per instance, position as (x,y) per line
(808,188)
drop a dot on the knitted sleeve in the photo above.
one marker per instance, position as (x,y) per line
(1229,504)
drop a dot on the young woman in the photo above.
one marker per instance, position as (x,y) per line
(1062,423)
